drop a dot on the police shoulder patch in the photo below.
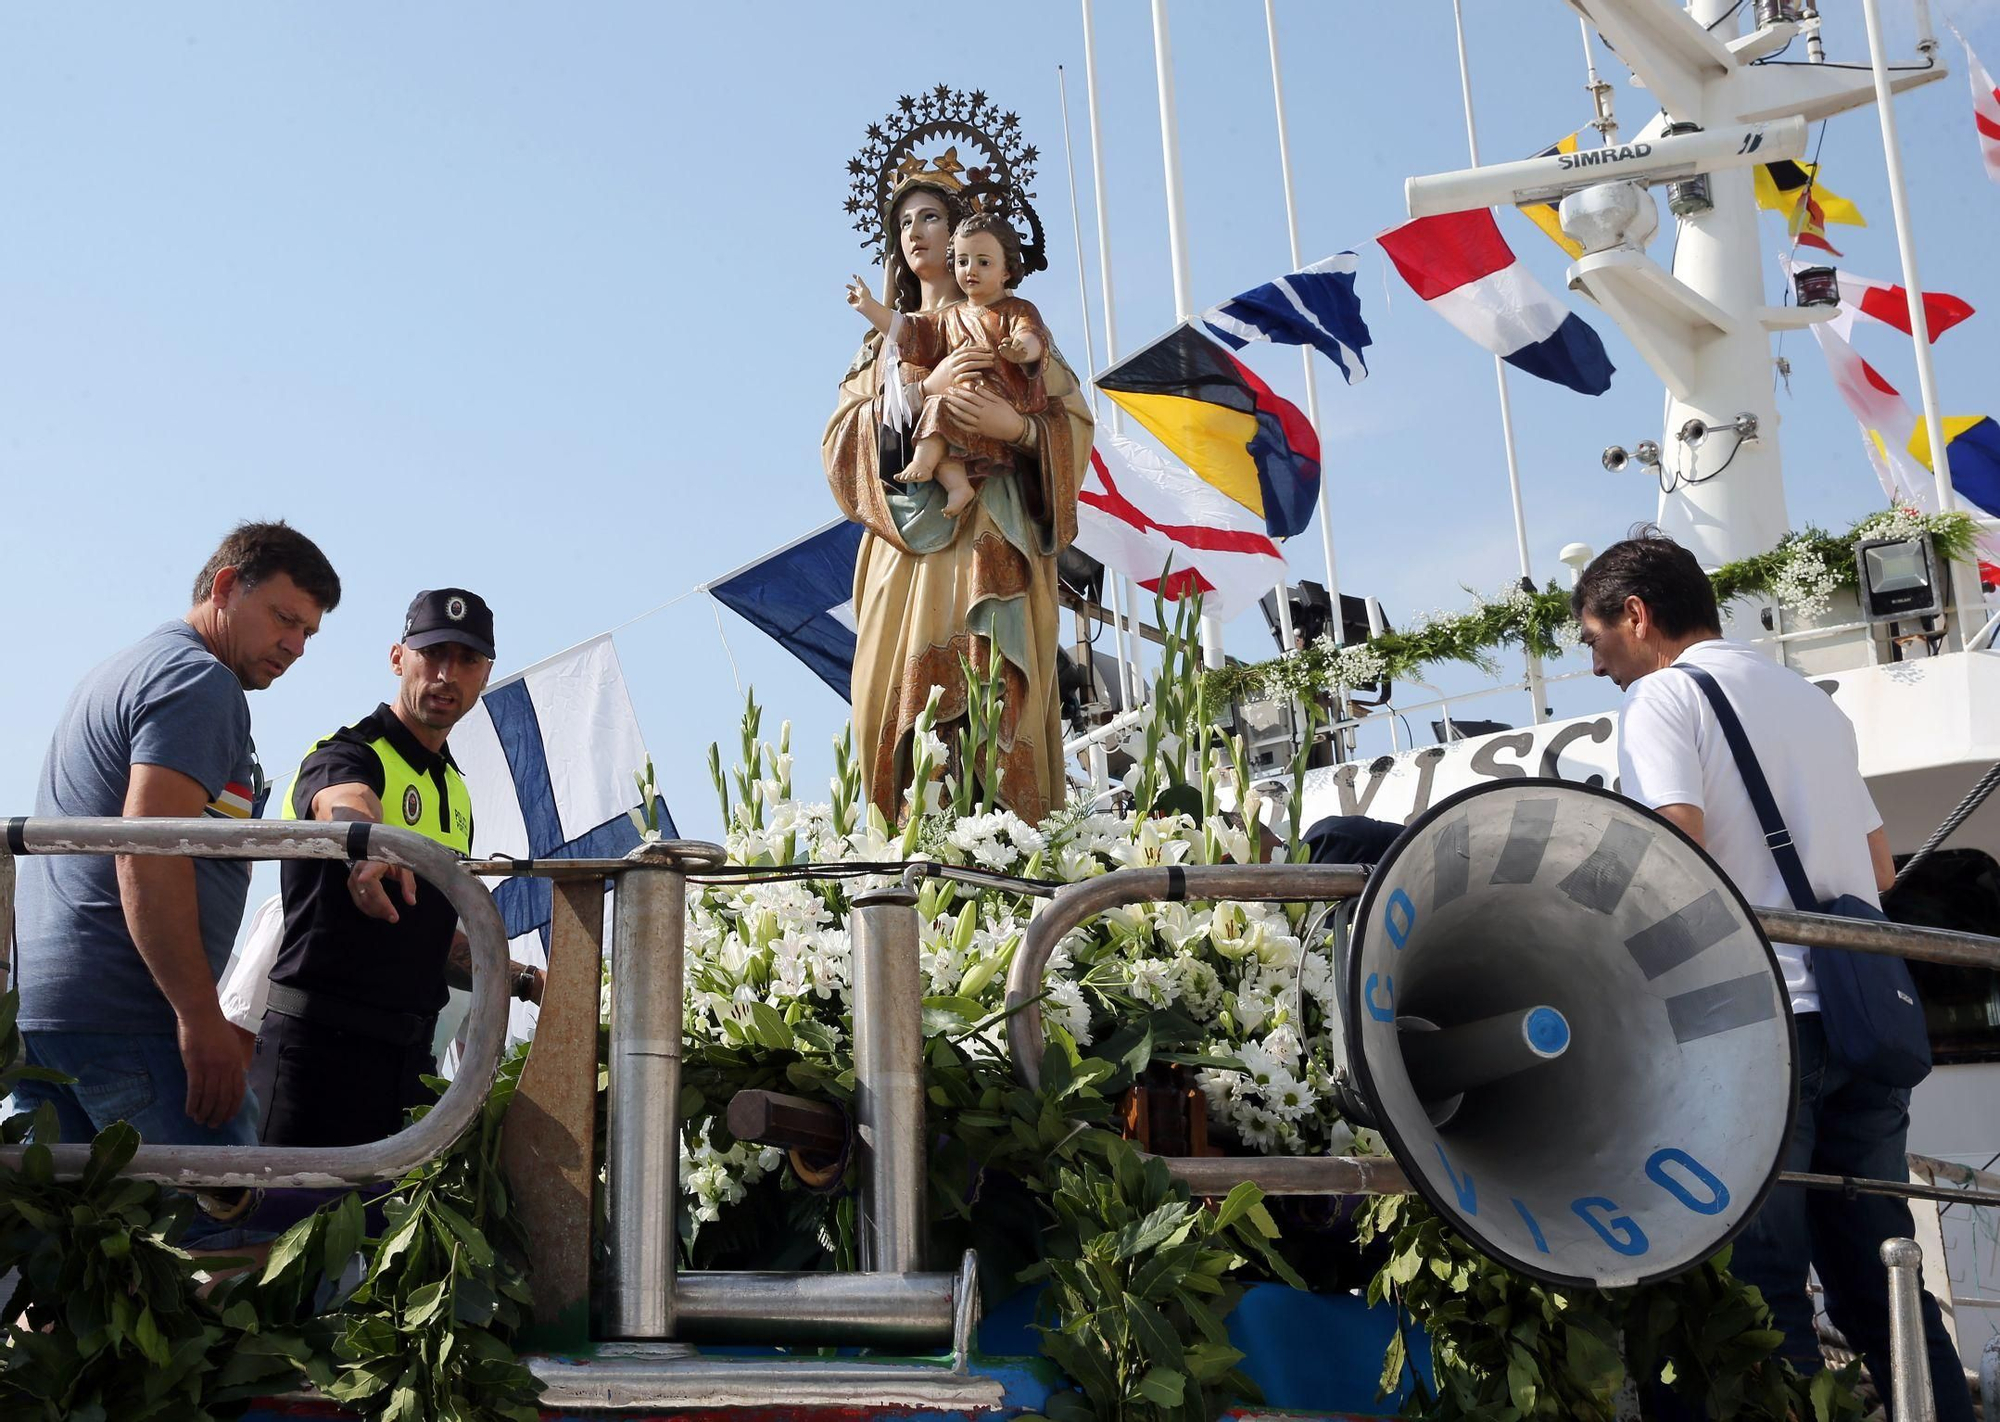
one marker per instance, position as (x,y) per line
(413,805)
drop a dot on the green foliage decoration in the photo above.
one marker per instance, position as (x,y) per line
(110,1321)
(1141,1279)
(1506,1347)
(1802,571)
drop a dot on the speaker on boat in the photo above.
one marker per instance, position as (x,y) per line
(1570,1029)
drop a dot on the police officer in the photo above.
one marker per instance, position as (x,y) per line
(368,950)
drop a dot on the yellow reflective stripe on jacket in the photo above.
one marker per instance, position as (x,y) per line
(410,798)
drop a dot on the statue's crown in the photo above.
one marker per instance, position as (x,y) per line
(919,143)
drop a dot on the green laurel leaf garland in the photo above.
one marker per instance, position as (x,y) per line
(1536,621)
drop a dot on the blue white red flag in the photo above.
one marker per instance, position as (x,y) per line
(1315,306)
(1464,270)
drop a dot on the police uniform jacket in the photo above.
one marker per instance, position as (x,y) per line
(330,947)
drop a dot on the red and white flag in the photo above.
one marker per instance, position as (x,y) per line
(1861,298)
(1139,512)
(1985,109)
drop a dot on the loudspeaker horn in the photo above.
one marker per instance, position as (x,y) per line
(1570,1029)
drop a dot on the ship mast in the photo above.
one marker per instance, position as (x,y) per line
(1704,328)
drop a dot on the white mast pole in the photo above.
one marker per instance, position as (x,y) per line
(1170,146)
(1534,664)
(1090,363)
(1965,588)
(1125,598)
(1305,352)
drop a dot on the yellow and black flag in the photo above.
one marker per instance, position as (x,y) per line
(1224,423)
(1795,190)
(1545,214)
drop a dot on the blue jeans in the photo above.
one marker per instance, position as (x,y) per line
(137,1078)
(1846,1125)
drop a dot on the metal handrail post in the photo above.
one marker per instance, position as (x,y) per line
(642,1108)
(305,1167)
(889,1080)
(1909,1363)
(1294,883)
(1077,902)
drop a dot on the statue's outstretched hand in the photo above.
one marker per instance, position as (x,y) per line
(862,300)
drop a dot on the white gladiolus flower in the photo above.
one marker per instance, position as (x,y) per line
(1233,842)
(930,745)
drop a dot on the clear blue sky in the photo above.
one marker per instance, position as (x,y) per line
(545,301)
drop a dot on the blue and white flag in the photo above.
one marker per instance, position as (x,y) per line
(803,596)
(1314,307)
(549,755)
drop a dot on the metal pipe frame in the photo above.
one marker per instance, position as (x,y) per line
(642,1105)
(1909,1363)
(1342,1175)
(889,1096)
(669,1380)
(1076,902)
(306,1167)
(876,1309)
(1294,883)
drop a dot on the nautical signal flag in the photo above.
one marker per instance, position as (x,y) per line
(1146,517)
(1224,424)
(1464,270)
(803,595)
(1898,442)
(1315,306)
(1867,300)
(1794,190)
(1546,214)
(1985,109)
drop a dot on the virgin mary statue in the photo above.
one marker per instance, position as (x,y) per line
(930,589)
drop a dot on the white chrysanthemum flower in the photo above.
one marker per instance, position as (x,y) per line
(1065,1006)
(1219,1085)
(1257,1128)
(1260,1065)
(1200,986)
(1290,1099)
(1152,983)
(1316,977)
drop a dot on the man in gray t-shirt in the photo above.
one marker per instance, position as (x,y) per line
(118,958)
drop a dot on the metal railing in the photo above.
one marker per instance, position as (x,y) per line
(892,1301)
(309,1167)
(1296,883)
(1911,1399)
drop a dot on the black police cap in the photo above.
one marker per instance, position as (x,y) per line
(449,615)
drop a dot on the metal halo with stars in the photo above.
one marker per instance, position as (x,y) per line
(998,181)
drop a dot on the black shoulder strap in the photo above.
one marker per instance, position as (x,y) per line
(1761,800)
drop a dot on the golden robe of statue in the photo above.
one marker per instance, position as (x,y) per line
(929,589)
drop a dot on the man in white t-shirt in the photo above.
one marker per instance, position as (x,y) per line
(1646,607)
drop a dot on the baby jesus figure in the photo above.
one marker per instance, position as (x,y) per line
(985,257)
